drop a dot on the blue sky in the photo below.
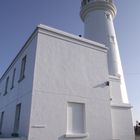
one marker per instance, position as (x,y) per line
(18,18)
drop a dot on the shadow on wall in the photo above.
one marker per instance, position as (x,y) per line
(102,85)
(62,137)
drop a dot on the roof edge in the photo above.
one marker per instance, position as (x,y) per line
(94,44)
(34,33)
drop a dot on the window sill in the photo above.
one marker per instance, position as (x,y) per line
(22,78)
(76,135)
(5,93)
(12,87)
(15,135)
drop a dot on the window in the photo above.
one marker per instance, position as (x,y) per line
(75,120)
(6,85)
(108,16)
(83,2)
(17,120)
(1,122)
(13,78)
(22,70)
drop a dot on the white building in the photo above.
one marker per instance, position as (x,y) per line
(60,86)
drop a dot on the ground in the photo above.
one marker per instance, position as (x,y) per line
(137,138)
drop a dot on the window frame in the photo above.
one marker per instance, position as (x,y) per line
(17,120)
(13,78)
(22,68)
(1,121)
(70,133)
(6,86)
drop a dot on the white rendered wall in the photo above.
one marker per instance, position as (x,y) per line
(21,92)
(122,124)
(66,70)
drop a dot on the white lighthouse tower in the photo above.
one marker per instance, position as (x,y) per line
(98,16)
